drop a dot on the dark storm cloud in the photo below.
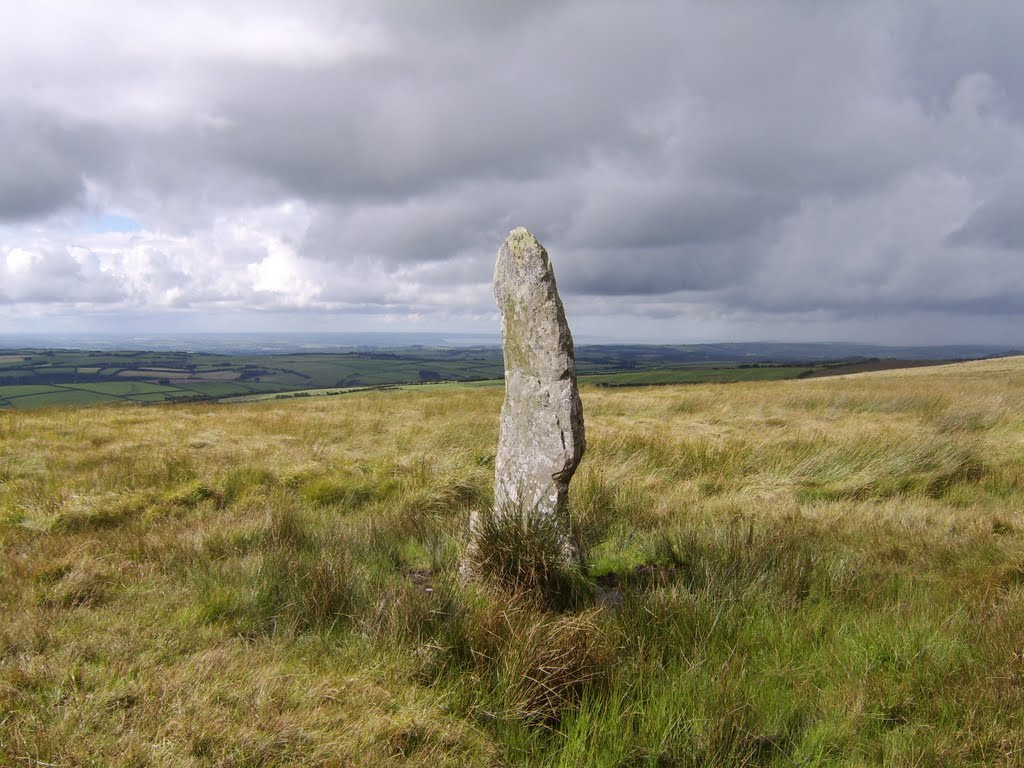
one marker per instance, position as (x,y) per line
(434,229)
(998,224)
(634,216)
(998,221)
(653,271)
(946,39)
(483,95)
(44,163)
(767,158)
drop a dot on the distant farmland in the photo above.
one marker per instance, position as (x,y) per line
(32,378)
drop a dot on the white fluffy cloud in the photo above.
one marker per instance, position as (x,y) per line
(757,169)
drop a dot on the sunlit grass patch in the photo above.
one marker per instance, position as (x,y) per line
(919,464)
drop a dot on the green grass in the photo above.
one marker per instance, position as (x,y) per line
(156,397)
(215,388)
(25,390)
(278,395)
(60,396)
(122,388)
(39,396)
(822,572)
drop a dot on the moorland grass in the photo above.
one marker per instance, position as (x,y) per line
(819,572)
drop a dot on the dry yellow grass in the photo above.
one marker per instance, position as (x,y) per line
(142,621)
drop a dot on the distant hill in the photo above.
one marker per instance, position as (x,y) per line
(38,376)
(290,343)
(796,352)
(242,343)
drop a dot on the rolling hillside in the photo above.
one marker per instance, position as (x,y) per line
(803,572)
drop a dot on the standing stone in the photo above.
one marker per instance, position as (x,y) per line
(541,439)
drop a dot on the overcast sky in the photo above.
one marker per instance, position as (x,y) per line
(698,171)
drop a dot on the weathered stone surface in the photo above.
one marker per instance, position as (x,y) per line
(541,438)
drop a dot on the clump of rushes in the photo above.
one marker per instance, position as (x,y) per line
(547,665)
(515,660)
(524,554)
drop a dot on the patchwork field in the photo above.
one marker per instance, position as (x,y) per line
(816,572)
(42,378)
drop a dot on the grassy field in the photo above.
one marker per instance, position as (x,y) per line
(820,572)
(677,374)
(704,375)
(661,376)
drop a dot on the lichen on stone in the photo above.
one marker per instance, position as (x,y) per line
(541,437)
